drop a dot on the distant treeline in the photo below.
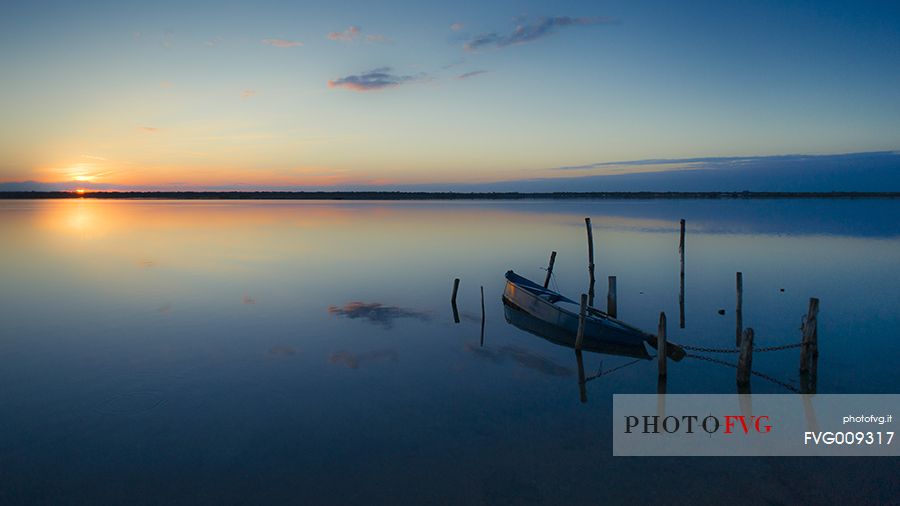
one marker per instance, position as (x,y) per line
(388,195)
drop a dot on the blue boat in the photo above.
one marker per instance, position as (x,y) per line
(562,313)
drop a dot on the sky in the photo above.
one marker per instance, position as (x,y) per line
(571,94)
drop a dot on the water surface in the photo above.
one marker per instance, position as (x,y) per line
(269,352)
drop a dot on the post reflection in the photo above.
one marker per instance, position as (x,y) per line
(561,337)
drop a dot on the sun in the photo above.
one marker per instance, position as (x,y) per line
(80,191)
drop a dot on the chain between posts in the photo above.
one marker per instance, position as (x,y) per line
(702,349)
(601,372)
(766,377)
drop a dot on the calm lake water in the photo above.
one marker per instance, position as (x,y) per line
(163,352)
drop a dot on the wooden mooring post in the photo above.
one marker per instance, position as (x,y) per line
(590,238)
(453,300)
(661,345)
(582,382)
(550,269)
(611,306)
(739,309)
(809,348)
(579,337)
(482,316)
(661,396)
(681,277)
(745,362)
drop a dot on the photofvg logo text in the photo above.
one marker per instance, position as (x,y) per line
(755,425)
(691,424)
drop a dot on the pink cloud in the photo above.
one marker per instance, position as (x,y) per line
(247,94)
(148,129)
(456,27)
(282,42)
(348,35)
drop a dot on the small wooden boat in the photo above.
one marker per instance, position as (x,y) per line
(559,336)
(563,313)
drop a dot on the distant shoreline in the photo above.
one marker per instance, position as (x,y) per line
(389,195)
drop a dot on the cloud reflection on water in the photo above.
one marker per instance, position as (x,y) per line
(522,358)
(377,313)
(353,360)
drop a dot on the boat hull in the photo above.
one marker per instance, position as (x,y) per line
(563,313)
(559,336)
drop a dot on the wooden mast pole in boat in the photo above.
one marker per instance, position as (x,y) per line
(550,269)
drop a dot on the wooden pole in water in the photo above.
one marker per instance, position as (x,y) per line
(681,277)
(611,306)
(745,362)
(582,383)
(550,269)
(661,344)
(812,377)
(661,396)
(590,237)
(739,309)
(482,316)
(453,300)
(810,342)
(581,322)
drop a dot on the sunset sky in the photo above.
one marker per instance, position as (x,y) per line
(348,94)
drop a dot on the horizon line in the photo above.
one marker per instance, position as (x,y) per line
(388,195)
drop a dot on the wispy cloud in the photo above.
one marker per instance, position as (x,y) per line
(530,32)
(474,73)
(166,84)
(657,162)
(215,41)
(376,79)
(348,35)
(148,129)
(353,33)
(457,27)
(867,171)
(247,94)
(168,40)
(282,42)
(452,64)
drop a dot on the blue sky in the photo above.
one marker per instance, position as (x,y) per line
(310,94)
